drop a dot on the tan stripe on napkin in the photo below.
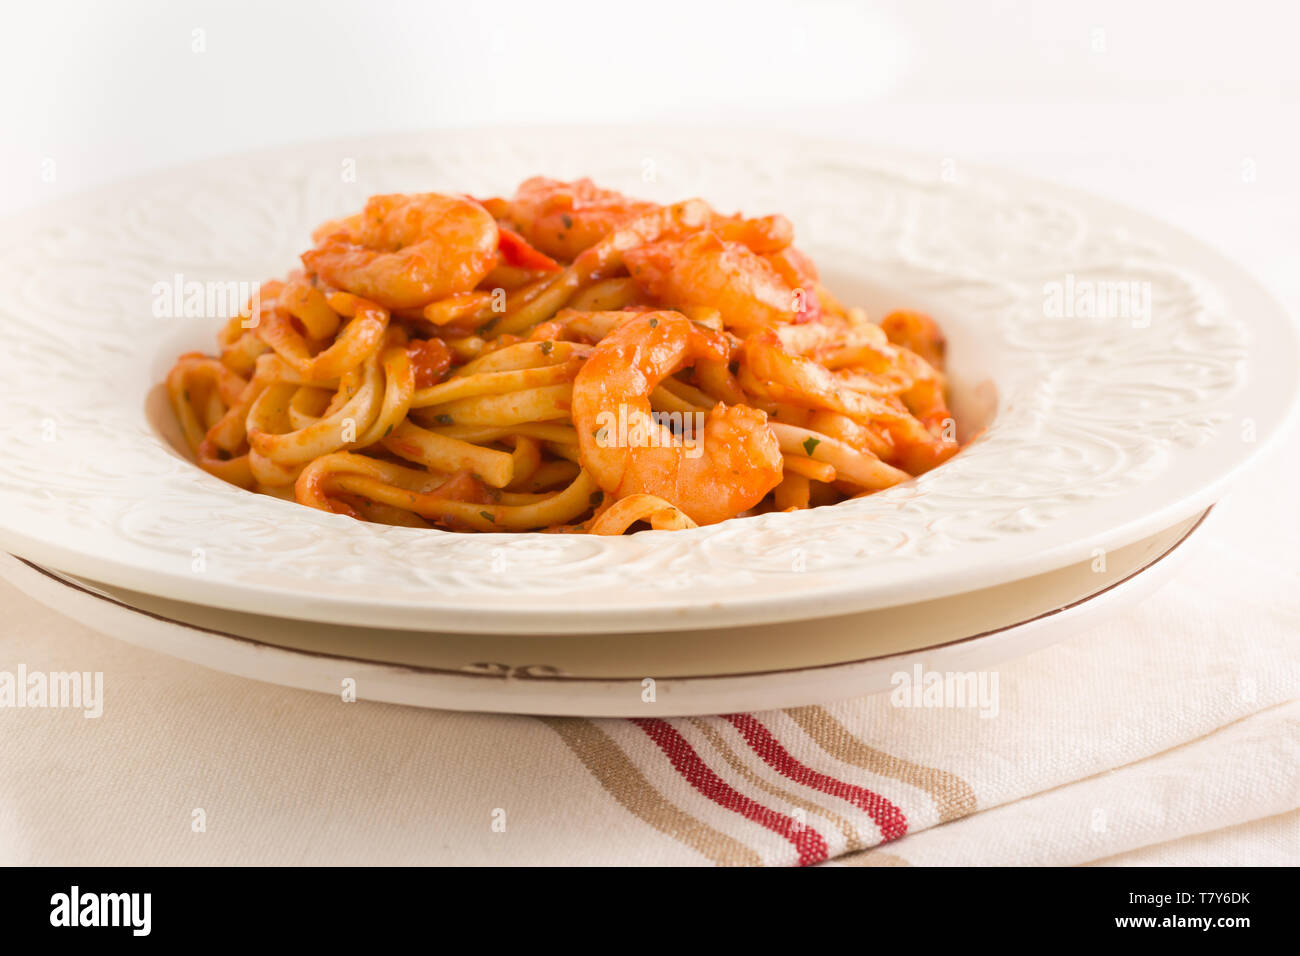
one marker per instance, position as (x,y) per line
(953,796)
(626,784)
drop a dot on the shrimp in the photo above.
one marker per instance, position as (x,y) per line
(766,236)
(707,270)
(405,251)
(832,335)
(736,462)
(794,267)
(566,219)
(917,332)
(770,371)
(917,425)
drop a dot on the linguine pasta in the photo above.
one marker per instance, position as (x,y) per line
(566,360)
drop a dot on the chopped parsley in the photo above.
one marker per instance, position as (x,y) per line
(547,346)
(809,444)
(489,516)
(568,221)
(654,323)
(444,419)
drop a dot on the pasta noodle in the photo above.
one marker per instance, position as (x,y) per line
(567,360)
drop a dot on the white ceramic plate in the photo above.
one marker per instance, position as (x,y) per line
(1104,430)
(694,672)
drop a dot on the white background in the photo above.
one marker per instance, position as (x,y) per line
(1188,110)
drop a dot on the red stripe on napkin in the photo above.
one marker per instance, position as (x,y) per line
(888,817)
(810,844)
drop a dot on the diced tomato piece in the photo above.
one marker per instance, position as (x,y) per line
(515,251)
(430,359)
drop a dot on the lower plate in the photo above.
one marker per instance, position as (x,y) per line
(693,672)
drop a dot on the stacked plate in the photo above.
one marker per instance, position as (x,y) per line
(1114,374)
